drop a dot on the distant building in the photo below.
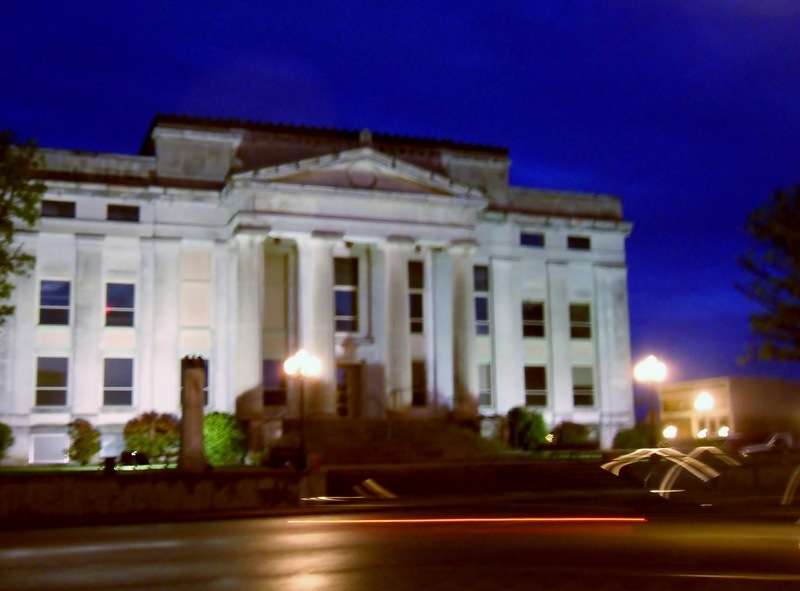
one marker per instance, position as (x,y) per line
(753,406)
(421,279)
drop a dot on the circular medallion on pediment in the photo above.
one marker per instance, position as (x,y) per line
(362,175)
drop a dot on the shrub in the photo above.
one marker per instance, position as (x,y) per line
(636,437)
(156,435)
(527,429)
(569,434)
(84,441)
(6,439)
(224,439)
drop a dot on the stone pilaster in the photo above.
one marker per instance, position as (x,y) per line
(250,263)
(465,370)
(560,390)
(398,346)
(89,293)
(166,294)
(506,314)
(439,328)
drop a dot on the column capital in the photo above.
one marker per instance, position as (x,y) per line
(464,244)
(327,235)
(400,240)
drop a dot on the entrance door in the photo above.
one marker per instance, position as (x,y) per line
(348,390)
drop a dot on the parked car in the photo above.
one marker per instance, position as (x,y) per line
(781,442)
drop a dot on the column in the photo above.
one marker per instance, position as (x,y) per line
(87,391)
(316,325)
(560,357)
(222,335)
(465,371)
(506,315)
(166,384)
(397,352)
(613,353)
(439,328)
(249,269)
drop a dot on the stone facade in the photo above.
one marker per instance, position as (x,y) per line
(424,283)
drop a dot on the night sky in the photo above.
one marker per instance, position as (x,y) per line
(689,110)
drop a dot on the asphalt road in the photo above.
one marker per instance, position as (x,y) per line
(496,545)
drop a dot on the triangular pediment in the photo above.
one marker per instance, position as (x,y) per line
(360,169)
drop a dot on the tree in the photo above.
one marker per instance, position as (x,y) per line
(20,195)
(84,441)
(223,439)
(527,429)
(6,439)
(156,435)
(774,277)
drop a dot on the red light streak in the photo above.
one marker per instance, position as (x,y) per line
(476,520)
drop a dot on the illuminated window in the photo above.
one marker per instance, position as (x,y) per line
(346,294)
(535,240)
(54,302)
(481,288)
(580,321)
(485,384)
(117,382)
(119,304)
(58,209)
(51,381)
(416,291)
(535,385)
(583,386)
(579,243)
(532,319)
(273,382)
(419,384)
(123,213)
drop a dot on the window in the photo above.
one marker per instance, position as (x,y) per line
(119,304)
(480,276)
(51,381)
(118,382)
(54,297)
(419,384)
(123,213)
(535,240)
(346,294)
(532,319)
(273,382)
(416,291)
(535,385)
(58,209)
(580,321)
(583,386)
(579,243)
(184,367)
(485,384)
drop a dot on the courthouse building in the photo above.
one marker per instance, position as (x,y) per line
(426,285)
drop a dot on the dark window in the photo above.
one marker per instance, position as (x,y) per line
(416,291)
(273,382)
(535,385)
(119,304)
(480,278)
(346,294)
(51,381)
(579,242)
(580,321)
(532,319)
(58,209)
(54,301)
(205,384)
(123,213)
(118,382)
(528,239)
(583,386)
(485,384)
(419,384)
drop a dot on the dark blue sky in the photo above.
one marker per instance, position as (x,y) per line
(687,109)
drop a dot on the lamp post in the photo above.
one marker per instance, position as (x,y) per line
(703,404)
(651,372)
(299,366)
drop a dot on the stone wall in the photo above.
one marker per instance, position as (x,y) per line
(141,495)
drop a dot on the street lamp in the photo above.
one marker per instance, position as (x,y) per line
(651,371)
(302,365)
(704,403)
